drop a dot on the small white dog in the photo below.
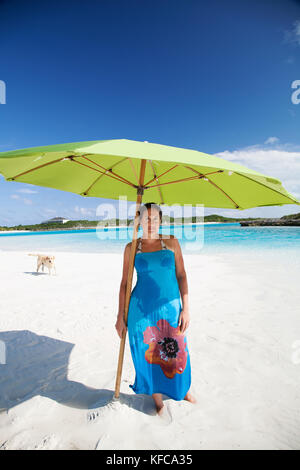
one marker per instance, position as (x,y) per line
(44,260)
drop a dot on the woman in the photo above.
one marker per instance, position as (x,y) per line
(157,320)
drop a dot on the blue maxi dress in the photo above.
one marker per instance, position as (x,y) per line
(159,350)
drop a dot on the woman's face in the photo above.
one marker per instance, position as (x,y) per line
(150,222)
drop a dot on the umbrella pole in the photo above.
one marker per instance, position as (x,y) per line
(130,275)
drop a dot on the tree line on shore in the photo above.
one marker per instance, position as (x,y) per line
(292,219)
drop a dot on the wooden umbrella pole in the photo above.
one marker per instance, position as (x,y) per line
(130,275)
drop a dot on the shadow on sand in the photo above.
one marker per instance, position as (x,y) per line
(38,365)
(40,273)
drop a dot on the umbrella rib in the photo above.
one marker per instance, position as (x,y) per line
(133,169)
(71,158)
(36,168)
(156,178)
(272,189)
(100,176)
(214,184)
(199,176)
(105,174)
(108,169)
(150,181)
(171,182)
(227,195)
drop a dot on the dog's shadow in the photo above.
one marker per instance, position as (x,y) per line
(38,365)
(35,273)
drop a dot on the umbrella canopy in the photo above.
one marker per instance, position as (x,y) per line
(110,168)
(142,170)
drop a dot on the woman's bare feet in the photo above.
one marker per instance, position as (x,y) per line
(157,397)
(189,397)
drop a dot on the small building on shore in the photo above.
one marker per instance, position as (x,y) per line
(57,220)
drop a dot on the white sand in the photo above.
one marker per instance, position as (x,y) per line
(14,231)
(62,352)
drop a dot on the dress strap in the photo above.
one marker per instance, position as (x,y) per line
(139,246)
(163,245)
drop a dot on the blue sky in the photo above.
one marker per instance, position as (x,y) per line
(214,76)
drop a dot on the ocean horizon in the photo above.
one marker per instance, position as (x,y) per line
(193,238)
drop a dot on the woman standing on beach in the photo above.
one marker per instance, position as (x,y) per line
(157,320)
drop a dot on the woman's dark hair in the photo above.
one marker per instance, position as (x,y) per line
(150,205)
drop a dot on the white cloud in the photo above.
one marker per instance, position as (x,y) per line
(51,211)
(293,35)
(280,164)
(23,199)
(271,140)
(296,31)
(290,60)
(26,191)
(27,201)
(84,211)
(277,163)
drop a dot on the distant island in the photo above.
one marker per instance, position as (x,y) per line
(286,220)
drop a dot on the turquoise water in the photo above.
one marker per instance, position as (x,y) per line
(193,239)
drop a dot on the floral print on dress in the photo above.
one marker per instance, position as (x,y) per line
(166,348)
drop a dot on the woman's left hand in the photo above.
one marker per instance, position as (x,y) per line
(184,320)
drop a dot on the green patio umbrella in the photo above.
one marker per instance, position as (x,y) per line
(142,170)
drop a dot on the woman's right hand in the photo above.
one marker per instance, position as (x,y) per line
(120,326)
